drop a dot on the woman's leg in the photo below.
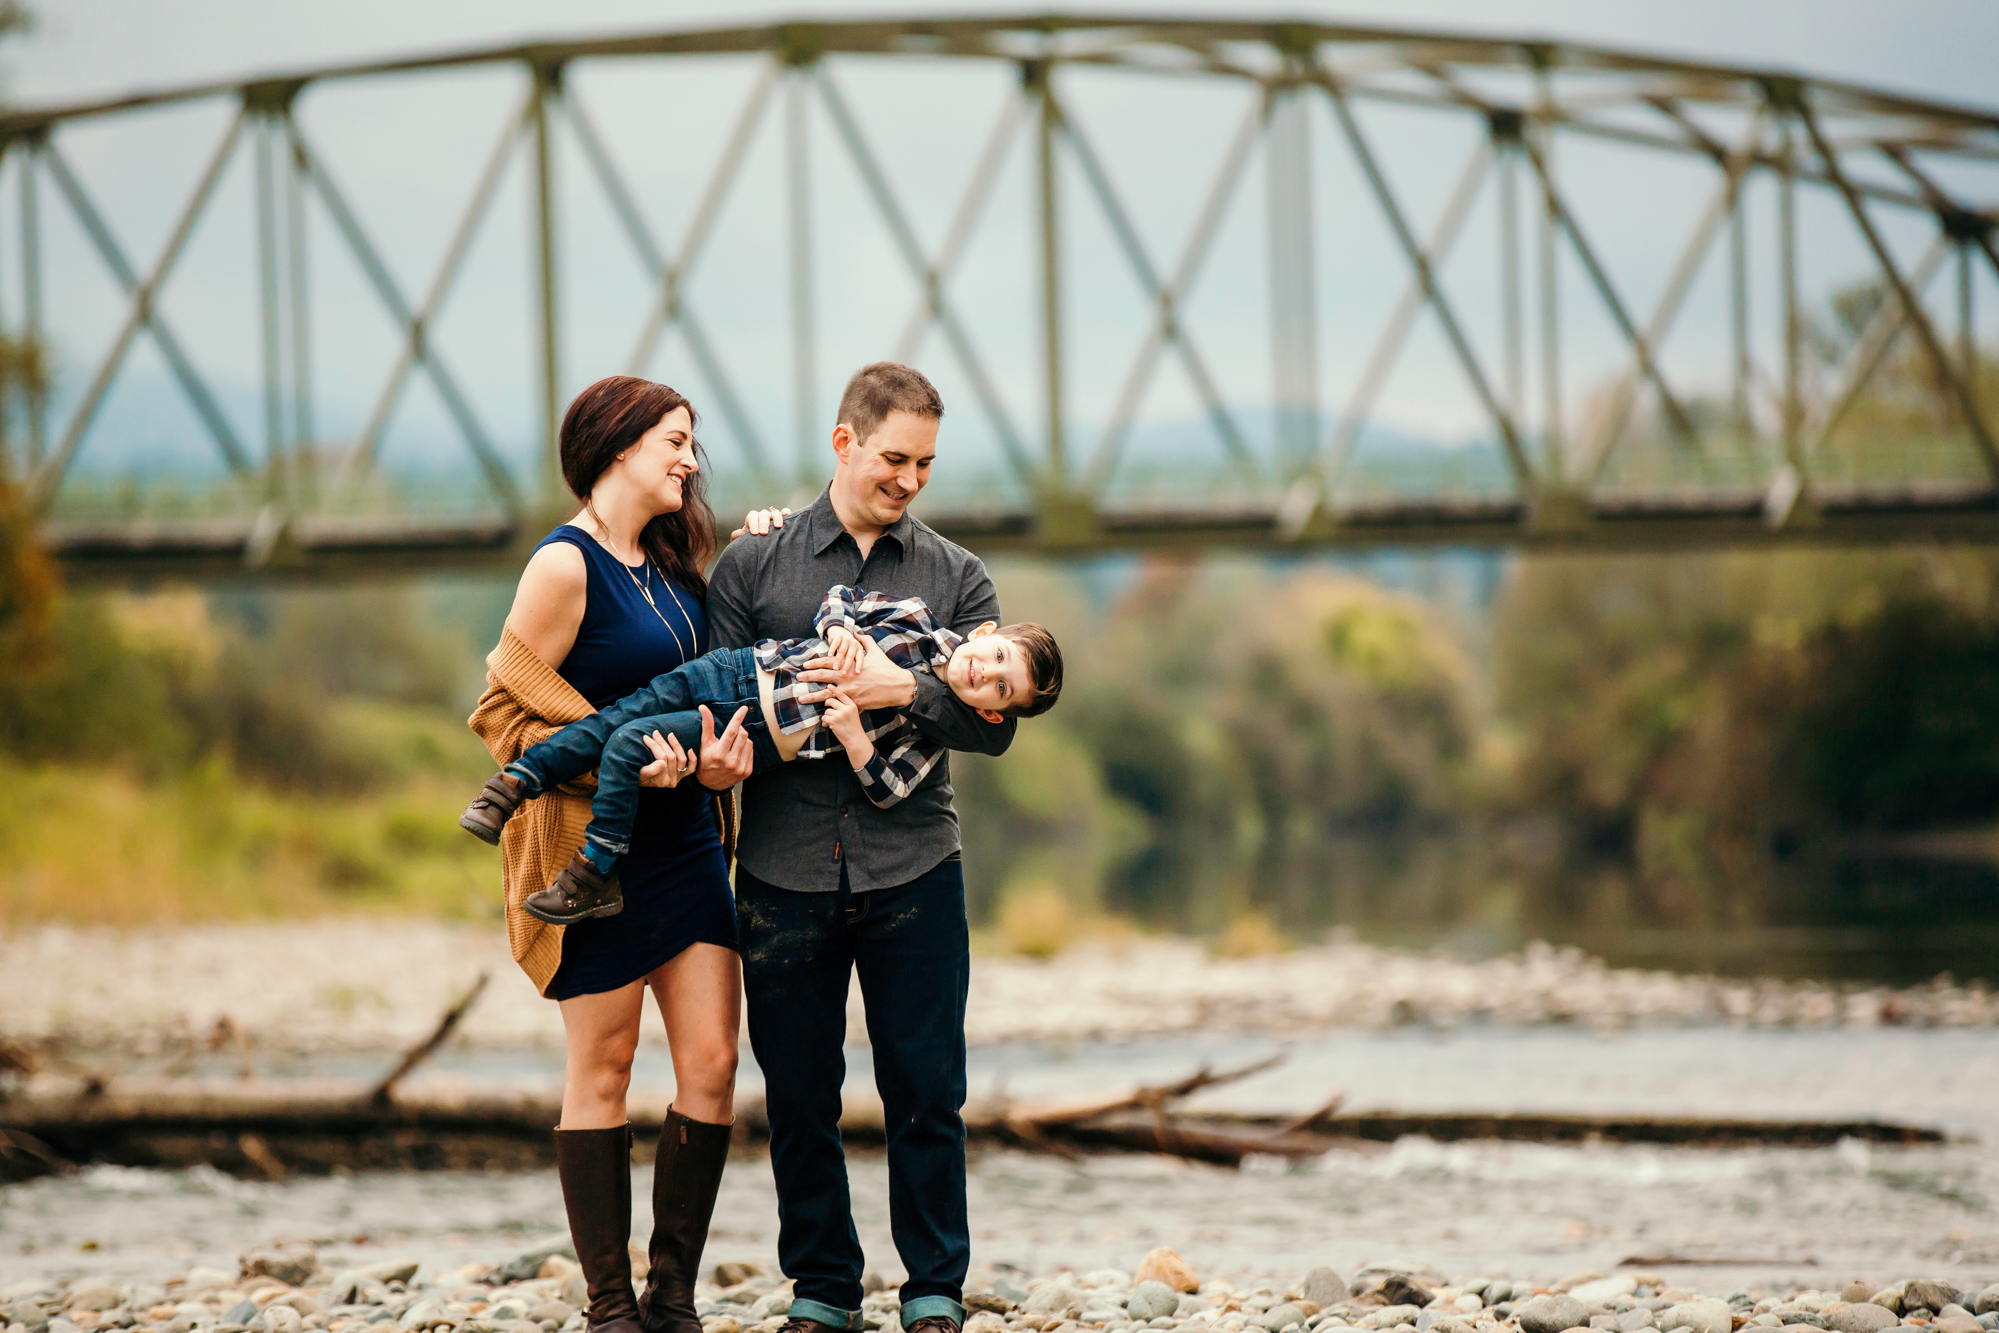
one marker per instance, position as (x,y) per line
(700,997)
(593,1147)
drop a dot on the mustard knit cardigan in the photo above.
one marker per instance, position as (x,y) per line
(526,702)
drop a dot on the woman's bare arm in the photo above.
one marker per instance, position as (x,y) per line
(548,603)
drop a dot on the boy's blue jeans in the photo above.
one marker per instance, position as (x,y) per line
(612,741)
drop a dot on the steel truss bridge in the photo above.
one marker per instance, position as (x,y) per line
(1765,452)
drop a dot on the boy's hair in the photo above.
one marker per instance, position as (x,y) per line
(1044,667)
(883,387)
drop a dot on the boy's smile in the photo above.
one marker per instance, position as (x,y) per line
(989,673)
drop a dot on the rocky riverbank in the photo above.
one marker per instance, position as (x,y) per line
(290,1289)
(268,990)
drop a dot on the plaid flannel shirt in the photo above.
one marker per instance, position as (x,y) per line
(910,637)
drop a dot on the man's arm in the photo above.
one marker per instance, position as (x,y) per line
(732,597)
(937,712)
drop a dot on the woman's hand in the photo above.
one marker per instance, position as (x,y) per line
(848,651)
(843,719)
(729,758)
(670,762)
(761,522)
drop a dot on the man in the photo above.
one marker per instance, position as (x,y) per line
(827,883)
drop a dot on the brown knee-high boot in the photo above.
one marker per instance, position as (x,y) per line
(685,1178)
(595,1168)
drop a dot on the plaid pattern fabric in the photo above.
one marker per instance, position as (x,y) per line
(911,637)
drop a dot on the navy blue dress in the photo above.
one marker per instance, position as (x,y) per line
(675,881)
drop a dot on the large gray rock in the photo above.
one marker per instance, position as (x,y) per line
(1857,1317)
(94,1295)
(1554,1314)
(1323,1287)
(1150,1300)
(1282,1317)
(1988,1300)
(1631,1321)
(1703,1316)
(1402,1289)
(1927,1292)
(1604,1290)
(289,1264)
(1060,1297)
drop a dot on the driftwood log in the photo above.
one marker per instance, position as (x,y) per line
(263,1131)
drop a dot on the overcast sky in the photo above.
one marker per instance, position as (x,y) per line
(83,48)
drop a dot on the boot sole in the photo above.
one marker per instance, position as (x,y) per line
(570,919)
(485,833)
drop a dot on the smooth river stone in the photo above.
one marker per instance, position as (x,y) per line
(1557,1314)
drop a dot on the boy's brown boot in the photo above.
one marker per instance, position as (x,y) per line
(492,808)
(579,892)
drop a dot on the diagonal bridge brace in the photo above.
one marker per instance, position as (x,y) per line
(672,308)
(911,251)
(1919,318)
(1167,326)
(1425,274)
(143,313)
(417,347)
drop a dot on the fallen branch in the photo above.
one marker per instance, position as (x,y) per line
(1149,1099)
(1317,1120)
(384,1092)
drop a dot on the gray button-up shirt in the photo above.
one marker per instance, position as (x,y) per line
(801,818)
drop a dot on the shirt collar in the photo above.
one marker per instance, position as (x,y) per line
(826,527)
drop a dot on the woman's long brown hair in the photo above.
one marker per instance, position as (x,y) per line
(609,417)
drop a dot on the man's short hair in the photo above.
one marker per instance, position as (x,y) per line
(884,387)
(1044,667)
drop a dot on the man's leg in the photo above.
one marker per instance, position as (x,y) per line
(912,951)
(796,960)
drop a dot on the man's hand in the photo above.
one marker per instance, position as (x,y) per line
(880,684)
(729,758)
(761,522)
(847,650)
(670,762)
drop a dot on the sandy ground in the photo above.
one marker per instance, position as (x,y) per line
(373,984)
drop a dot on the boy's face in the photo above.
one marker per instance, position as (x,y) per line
(989,673)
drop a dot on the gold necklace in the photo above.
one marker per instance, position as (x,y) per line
(645,591)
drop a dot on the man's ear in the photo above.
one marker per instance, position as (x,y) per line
(843,440)
(983,630)
(990,716)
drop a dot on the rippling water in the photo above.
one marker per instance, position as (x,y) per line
(1534,1210)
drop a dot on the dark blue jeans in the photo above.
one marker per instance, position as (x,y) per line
(912,951)
(612,740)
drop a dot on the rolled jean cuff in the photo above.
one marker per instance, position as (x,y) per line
(526,776)
(923,1307)
(829,1315)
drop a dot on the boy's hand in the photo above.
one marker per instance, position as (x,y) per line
(848,653)
(761,522)
(881,683)
(843,719)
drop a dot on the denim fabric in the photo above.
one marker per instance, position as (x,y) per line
(910,946)
(612,740)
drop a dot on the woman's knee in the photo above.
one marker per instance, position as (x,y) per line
(709,1062)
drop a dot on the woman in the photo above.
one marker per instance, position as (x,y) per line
(608,601)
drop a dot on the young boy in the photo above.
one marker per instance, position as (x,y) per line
(1001,671)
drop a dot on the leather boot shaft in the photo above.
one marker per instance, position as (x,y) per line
(685,1179)
(595,1168)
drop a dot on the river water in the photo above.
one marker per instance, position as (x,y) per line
(1526,1209)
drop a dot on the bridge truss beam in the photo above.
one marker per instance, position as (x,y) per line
(1610,477)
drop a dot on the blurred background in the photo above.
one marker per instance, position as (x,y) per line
(1718,749)
(1514,484)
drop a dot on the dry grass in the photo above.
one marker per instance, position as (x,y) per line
(101,847)
(1249,936)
